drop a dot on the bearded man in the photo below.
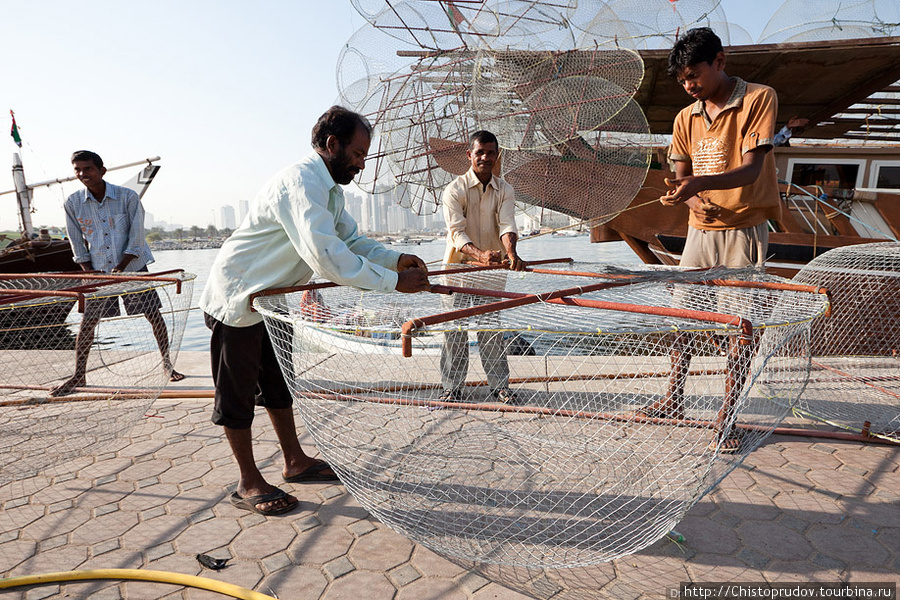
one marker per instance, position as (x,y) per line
(296,226)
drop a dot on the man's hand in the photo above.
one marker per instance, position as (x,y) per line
(490,257)
(86,266)
(410,281)
(681,189)
(123,264)
(703,209)
(516,263)
(410,261)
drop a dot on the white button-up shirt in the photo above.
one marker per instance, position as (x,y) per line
(477,215)
(103,232)
(296,226)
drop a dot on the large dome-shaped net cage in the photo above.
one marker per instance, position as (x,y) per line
(553,79)
(855,372)
(127,365)
(584,461)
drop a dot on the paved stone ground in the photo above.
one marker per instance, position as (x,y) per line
(798,509)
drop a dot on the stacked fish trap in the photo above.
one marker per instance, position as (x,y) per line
(40,318)
(587,462)
(855,373)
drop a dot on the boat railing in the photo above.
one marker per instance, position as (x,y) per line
(817,208)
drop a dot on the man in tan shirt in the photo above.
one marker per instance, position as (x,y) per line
(479,209)
(725,173)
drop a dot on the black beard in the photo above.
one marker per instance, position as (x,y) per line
(341,170)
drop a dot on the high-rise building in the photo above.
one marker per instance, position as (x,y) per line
(243,209)
(226,218)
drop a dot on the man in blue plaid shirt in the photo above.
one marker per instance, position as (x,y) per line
(105,225)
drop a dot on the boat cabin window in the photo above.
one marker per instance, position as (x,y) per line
(835,179)
(885,175)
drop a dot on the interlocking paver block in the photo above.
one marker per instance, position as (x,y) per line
(206,536)
(264,540)
(432,564)
(15,552)
(320,545)
(105,527)
(361,528)
(407,574)
(704,535)
(298,583)
(849,546)
(363,584)
(339,567)
(381,550)
(774,540)
(432,588)
(164,528)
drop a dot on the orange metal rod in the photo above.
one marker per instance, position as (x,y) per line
(104,278)
(514,301)
(559,297)
(41,293)
(329,284)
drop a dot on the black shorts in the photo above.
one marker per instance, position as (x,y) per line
(245,372)
(136,303)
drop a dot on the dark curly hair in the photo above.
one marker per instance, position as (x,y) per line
(339,122)
(88,155)
(695,46)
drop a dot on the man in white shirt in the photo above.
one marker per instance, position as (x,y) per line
(479,209)
(296,226)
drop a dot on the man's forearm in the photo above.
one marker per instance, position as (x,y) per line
(509,241)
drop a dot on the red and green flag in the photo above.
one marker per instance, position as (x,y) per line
(455,16)
(14,132)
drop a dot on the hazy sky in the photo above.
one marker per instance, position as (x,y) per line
(226,92)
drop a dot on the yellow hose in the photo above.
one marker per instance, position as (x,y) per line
(140,575)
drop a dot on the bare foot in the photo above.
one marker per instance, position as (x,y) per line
(69,386)
(175,375)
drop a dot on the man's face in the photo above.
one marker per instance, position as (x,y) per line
(483,157)
(702,80)
(88,173)
(349,160)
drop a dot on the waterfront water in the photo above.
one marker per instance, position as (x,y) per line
(198,262)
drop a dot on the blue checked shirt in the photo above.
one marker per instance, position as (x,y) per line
(103,232)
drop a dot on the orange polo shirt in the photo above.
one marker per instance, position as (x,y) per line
(713,147)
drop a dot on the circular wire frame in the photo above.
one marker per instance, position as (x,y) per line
(855,373)
(125,367)
(579,467)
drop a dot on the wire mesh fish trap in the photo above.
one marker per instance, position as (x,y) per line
(125,370)
(576,468)
(855,372)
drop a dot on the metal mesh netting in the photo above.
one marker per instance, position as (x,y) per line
(125,370)
(553,79)
(855,374)
(815,20)
(578,468)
